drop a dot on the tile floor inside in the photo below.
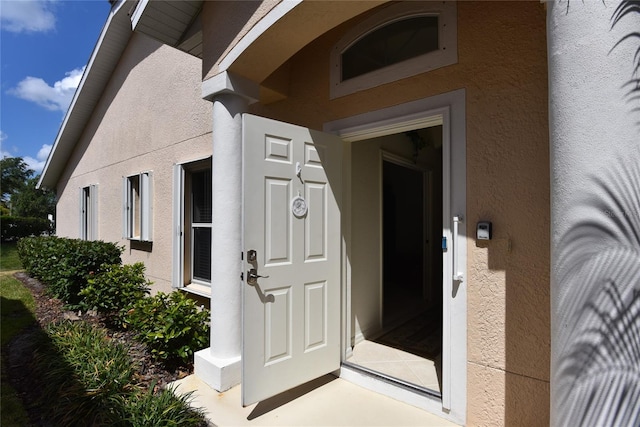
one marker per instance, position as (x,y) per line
(397,363)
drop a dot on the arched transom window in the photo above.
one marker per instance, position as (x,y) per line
(400,41)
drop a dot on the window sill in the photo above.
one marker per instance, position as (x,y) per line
(195,288)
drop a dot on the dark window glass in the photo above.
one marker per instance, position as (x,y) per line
(201,191)
(391,44)
(202,253)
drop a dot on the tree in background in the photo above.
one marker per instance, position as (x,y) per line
(14,175)
(19,194)
(31,202)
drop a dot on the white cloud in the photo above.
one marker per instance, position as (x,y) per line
(29,16)
(56,97)
(3,152)
(37,164)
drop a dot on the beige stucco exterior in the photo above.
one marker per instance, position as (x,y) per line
(151,116)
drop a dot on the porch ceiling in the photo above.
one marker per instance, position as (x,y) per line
(267,47)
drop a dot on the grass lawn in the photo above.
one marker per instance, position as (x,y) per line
(16,312)
(9,257)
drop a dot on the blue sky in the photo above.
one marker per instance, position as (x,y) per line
(44,47)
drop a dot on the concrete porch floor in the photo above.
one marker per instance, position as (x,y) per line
(327,401)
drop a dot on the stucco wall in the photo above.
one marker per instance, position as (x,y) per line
(595,288)
(150,116)
(502,65)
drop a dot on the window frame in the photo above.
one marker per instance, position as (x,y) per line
(182,266)
(197,225)
(447,54)
(137,207)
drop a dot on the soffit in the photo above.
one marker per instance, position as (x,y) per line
(174,23)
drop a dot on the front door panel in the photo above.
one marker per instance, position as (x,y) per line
(291,315)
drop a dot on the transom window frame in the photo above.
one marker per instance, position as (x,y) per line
(447,54)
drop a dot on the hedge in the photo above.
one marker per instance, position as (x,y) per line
(64,265)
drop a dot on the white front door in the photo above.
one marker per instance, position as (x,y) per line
(291,205)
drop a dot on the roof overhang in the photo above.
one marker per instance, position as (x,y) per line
(174,23)
(104,58)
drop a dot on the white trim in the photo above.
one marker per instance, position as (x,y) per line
(227,82)
(146,206)
(447,109)
(446,55)
(82,205)
(88,203)
(125,207)
(131,212)
(177,265)
(179,221)
(198,289)
(138,12)
(93,198)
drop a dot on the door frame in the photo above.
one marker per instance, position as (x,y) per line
(448,110)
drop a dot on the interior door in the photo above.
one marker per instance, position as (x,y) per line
(291,290)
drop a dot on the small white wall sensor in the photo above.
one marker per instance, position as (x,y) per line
(483,231)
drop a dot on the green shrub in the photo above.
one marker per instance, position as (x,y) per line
(171,325)
(160,409)
(115,289)
(87,380)
(64,265)
(84,375)
(13,228)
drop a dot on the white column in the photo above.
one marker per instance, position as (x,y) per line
(594,147)
(219,365)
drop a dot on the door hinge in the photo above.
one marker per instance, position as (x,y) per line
(242,276)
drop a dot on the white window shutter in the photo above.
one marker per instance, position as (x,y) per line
(125,207)
(93,211)
(177,276)
(146,206)
(82,214)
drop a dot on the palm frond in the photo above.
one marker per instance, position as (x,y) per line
(627,9)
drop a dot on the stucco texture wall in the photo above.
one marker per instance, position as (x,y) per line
(502,65)
(595,213)
(150,117)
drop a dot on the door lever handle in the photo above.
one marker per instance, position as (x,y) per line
(253,276)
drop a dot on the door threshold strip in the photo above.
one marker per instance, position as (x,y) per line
(393,380)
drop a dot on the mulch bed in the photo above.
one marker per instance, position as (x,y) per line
(48,310)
